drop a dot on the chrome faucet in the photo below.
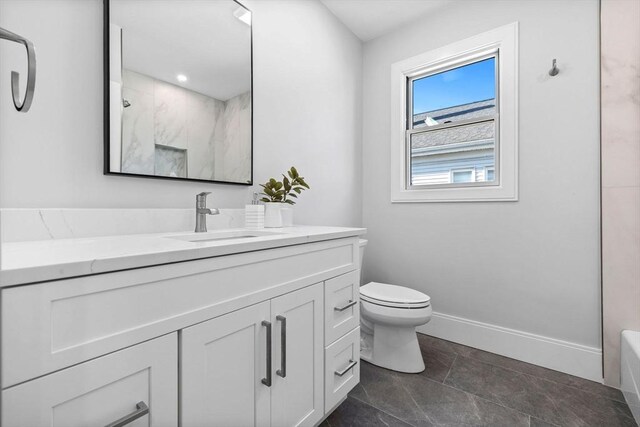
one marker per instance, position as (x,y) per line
(202,211)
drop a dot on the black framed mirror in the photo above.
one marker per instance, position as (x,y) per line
(178,90)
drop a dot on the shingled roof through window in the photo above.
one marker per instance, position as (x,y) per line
(466,133)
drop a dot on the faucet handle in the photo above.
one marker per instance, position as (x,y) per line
(201,199)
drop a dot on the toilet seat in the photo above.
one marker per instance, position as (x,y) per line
(393,296)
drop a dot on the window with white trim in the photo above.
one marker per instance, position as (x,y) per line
(454,121)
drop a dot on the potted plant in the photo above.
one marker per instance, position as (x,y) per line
(279,196)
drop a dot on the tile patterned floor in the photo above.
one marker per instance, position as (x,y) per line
(463,386)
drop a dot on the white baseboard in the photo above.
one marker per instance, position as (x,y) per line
(563,356)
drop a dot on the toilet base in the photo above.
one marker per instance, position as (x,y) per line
(392,347)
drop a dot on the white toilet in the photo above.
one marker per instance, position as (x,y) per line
(389,315)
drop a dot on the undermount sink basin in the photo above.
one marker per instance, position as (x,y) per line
(220,235)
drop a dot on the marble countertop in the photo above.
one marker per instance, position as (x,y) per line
(38,261)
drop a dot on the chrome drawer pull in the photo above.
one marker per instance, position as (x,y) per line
(267,381)
(141,410)
(351,364)
(351,303)
(283,347)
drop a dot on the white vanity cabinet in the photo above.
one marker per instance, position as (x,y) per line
(99,392)
(188,339)
(257,366)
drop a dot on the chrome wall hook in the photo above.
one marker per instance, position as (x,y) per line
(25,104)
(554,69)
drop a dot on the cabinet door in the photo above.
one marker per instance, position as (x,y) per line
(222,366)
(297,398)
(101,391)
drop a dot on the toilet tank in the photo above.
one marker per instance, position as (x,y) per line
(363,243)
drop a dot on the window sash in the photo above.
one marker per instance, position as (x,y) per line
(410,130)
(437,69)
(496,157)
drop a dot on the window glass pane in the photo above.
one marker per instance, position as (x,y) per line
(460,93)
(490,175)
(435,154)
(463,176)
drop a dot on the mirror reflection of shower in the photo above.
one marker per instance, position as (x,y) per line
(185,102)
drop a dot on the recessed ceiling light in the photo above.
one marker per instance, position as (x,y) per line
(243,14)
(181,78)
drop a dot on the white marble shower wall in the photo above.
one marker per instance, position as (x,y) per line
(207,138)
(233,150)
(620,98)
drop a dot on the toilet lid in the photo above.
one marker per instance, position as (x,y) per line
(392,295)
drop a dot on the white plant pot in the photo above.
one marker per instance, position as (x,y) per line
(273,214)
(286,212)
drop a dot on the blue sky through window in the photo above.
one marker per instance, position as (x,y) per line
(462,85)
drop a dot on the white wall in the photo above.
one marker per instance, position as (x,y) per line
(307,70)
(532,265)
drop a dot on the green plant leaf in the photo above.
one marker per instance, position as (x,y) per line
(304,184)
(291,202)
(264,199)
(292,195)
(294,172)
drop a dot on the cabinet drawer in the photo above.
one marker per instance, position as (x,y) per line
(101,391)
(341,305)
(342,368)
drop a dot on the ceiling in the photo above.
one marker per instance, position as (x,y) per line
(369,19)
(201,40)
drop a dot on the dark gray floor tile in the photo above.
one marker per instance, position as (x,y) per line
(437,363)
(353,413)
(427,341)
(539,423)
(423,402)
(547,400)
(446,406)
(480,389)
(384,390)
(549,374)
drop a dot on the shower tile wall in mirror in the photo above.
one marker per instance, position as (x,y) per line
(179,86)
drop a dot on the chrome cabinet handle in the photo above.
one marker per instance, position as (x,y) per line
(141,410)
(351,364)
(351,303)
(283,347)
(267,381)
